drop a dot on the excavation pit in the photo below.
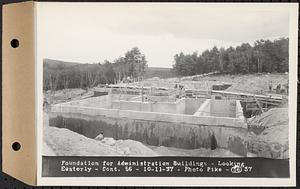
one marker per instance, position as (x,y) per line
(153,120)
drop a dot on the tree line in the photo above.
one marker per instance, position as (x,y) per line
(263,56)
(61,75)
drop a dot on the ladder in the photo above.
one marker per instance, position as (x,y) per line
(258,104)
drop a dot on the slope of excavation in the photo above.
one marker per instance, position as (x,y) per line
(268,135)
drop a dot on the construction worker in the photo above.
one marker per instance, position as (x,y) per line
(213,142)
(278,88)
(270,86)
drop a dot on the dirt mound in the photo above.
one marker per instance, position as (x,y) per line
(64,142)
(64,95)
(271,118)
(47,150)
(168,151)
(200,152)
(134,148)
(128,147)
(272,139)
(249,83)
(257,83)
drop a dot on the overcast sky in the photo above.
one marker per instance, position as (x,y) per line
(93,32)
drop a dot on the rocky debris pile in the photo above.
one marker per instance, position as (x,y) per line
(127,147)
(273,117)
(47,150)
(63,142)
(268,134)
(134,148)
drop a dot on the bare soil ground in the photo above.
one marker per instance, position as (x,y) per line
(250,83)
(59,96)
(272,140)
(201,152)
(63,142)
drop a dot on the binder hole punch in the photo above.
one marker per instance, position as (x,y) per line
(16,146)
(14,43)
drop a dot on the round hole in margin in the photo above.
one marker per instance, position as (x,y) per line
(14,43)
(16,146)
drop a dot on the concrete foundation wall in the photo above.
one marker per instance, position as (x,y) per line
(193,104)
(165,108)
(162,98)
(223,108)
(100,101)
(136,98)
(104,101)
(151,132)
(122,97)
(239,110)
(157,124)
(204,109)
(177,107)
(180,106)
(153,116)
(128,105)
(134,103)
(154,98)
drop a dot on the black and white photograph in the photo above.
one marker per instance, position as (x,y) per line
(169,80)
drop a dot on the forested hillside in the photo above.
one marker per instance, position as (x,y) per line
(62,75)
(264,56)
